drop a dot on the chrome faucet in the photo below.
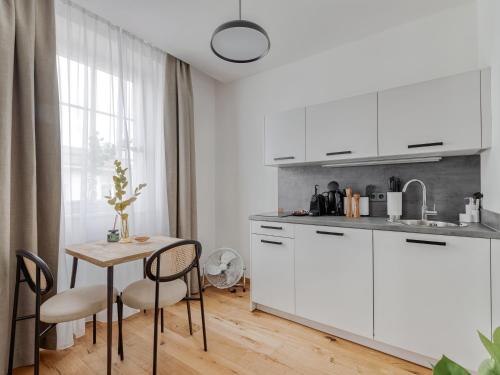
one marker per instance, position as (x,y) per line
(425,211)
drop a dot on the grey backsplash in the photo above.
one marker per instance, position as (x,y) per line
(448,182)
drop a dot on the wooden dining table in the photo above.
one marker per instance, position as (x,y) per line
(107,255)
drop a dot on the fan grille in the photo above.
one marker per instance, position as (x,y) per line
(229,277)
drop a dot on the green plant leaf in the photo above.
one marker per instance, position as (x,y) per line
(446,366)
(128,202)
(496,336)
(489,367)
(492,348)
(121,182)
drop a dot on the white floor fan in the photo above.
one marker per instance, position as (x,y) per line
(223,269)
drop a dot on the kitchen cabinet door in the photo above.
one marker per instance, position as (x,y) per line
(333,277)
(272,272)
(439,116)
(285,137)
(432,294)
(343,129)
(486,128)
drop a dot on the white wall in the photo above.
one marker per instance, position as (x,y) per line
(204,123)
(489,55)
(435,46)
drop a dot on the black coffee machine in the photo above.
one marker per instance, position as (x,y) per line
(334,200)
(318,203)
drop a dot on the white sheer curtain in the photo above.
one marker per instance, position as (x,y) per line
(111,88)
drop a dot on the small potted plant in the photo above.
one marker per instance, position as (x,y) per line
(119,202)
(490,366)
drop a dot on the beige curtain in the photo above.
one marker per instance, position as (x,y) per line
(180,152)
(29,155)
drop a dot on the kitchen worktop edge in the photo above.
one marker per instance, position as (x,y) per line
(475,230)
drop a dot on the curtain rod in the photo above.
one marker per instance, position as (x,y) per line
(112,25)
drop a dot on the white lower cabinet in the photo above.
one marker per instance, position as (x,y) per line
(333,277)
(414,294)
(273,272)
(432,294)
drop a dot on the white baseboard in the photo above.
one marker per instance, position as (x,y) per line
(365,341)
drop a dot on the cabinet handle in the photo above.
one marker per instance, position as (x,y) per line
(272,242)
(270,227)
(284,158)
(426,144)
(436,243)
(330,233)
(338,153)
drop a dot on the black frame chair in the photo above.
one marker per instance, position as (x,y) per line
(35,286)
(157,278)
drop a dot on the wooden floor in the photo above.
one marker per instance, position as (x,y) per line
(239,342)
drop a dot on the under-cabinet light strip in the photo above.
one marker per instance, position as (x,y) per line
(384,162)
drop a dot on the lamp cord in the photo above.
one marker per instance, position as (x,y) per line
(240,9)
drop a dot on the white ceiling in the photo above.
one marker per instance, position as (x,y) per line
(297,28)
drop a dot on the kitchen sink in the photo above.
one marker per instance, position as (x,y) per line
(430,223)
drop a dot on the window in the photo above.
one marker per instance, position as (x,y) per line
(111,93)
(97,121)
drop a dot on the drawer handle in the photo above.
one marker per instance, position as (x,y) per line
(284,158)
(330,233)
(272,242)
(436,243)
(426,144)
(271,227)
(338,153)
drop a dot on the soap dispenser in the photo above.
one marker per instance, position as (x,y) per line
(471,211)
(476,209)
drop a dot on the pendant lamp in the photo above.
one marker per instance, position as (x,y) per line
(240,41)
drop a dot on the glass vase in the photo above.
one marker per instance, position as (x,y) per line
(124,235)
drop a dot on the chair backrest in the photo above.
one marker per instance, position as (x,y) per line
(29,263)
(175,260)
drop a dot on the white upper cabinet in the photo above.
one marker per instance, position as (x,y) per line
(486,126)
(434,117)
(343,129)
(446,116)
(432,294)
(285,137)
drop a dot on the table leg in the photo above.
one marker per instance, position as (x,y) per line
(73,273)
(110,318)
(144,260)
